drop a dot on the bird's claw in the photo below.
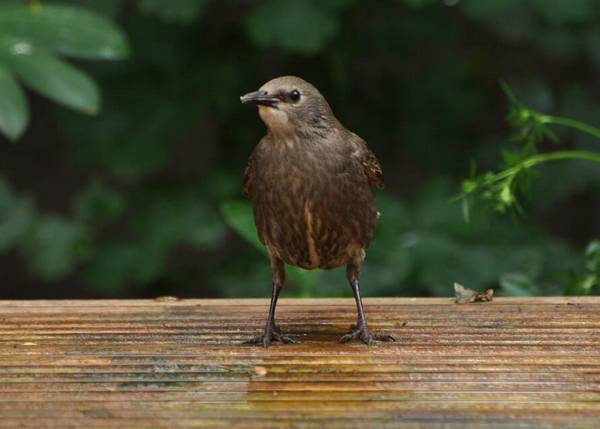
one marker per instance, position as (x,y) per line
(362,332)
(272,333)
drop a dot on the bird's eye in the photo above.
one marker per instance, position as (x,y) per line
(295,95)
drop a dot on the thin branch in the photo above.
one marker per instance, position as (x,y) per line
(572,123)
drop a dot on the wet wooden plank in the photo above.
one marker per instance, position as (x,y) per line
(514,362)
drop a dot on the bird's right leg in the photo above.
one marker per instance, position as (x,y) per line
(272,331)
(360,330)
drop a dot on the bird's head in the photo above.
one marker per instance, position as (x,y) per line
(289,104)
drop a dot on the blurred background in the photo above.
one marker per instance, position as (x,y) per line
(121,166)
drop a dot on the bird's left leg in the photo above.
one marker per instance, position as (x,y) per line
(361,329)
(272,331)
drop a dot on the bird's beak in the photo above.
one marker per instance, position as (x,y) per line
(260,98)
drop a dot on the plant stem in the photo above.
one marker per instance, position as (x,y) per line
(581,126)
(545,157)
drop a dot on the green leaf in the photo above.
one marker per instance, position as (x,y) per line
(50,76)
(418,3)
(592,44)
(104,7)
(518,284)
(592,256)
(174,10)
(113,266)
(54,247)
(98,204)
(564,12)
(303,280)
(239,216)
(16,216)
(484,9)
(178,217)
(294,25)
(68,30)
(14,112)
(495,14)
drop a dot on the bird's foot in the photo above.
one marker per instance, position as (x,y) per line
(361,331)
(272,333)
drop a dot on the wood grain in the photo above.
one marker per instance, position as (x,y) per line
(514,362)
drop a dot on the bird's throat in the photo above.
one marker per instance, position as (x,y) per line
(276,120)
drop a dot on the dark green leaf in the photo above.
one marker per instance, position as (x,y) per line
(16,216)
(303,280)
(564,12)
(105,7)
(495,13)
(517,284)
(50,76)
(175,219)
(418,3)
(113,266)
(14,112)
(65,29)
(98,204)
(294,25)
(54,247)
(174,10)
(487,9)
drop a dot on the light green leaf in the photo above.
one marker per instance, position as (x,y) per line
(50,76)
(592,256)
(174,10)
(239,216)
(64,29)
(14,112)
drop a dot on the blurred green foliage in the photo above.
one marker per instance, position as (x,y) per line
(587,281)
(31,34)
(502,188)
(144,197)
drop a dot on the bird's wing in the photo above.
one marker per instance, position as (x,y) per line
(367,159)
(248,177)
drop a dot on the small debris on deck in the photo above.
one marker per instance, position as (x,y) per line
(166,299)
(467,296)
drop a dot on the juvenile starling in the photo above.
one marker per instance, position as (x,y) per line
(311,184)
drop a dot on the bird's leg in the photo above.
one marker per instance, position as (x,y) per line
(272,331)
(361,329)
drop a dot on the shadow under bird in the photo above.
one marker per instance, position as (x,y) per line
(311,183)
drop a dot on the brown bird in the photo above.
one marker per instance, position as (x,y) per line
(311,184)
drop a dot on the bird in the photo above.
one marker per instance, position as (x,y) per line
(312,185)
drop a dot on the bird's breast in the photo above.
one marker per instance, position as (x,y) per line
(313,209)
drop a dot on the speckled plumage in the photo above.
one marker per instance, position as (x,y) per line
(294,179)
(311,183)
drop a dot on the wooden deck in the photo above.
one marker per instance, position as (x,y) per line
(179,364)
